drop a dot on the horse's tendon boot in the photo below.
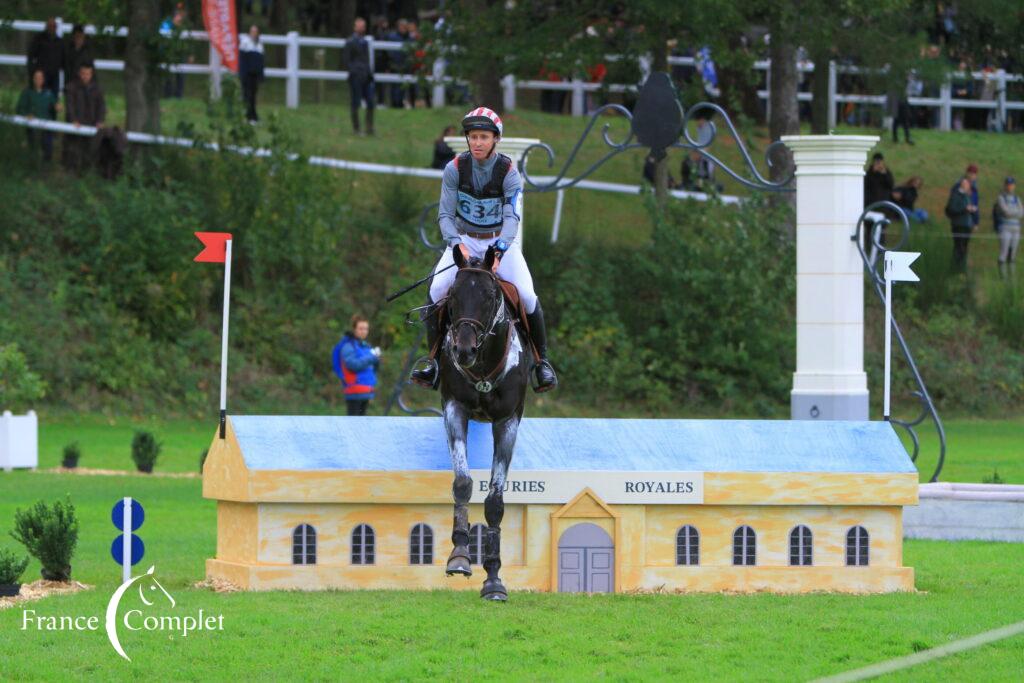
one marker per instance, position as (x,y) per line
(493,588)
(459,560)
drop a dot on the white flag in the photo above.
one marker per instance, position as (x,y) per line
(897,266)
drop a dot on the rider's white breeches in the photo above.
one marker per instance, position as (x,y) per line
(512,268)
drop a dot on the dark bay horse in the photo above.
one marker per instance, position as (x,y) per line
(484,372)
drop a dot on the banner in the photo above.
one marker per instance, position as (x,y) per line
(219,21)
(214,247)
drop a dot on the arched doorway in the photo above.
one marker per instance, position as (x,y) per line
(586,560)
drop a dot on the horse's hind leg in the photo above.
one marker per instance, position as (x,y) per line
(456,422)
(494,507)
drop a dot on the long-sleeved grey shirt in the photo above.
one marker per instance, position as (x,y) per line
(1010,210)
(512,209)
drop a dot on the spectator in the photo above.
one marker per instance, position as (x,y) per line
(959,210)
(37,102)
(360,76)
(551,101)
(971,173)
(698,173)
(77,51)
(250,69)
(355,364)
(46,52)
(86,106)
(906,195)
(174,84)
(1009,211)
(381,58)
(902,117)
(399,62)
(650,170)
(878,181)
(442,152)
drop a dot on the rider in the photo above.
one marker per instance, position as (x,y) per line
(481,206)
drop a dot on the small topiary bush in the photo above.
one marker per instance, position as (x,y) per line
(11,568)
(72,452)
(145,450)
(50,534)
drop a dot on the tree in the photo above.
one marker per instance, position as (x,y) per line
(141,72)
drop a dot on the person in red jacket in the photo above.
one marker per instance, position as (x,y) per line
(355,364)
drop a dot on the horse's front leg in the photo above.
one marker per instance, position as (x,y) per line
(456,423)
(494,506)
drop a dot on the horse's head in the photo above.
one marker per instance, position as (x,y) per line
(473,305)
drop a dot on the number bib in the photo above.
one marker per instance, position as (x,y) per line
(484,213)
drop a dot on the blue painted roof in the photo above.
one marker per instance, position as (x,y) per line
(419,443)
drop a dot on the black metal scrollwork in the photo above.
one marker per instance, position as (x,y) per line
(875,270)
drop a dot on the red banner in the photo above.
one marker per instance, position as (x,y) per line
(215,250)
(219,21)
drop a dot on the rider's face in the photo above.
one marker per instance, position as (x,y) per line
(481,142)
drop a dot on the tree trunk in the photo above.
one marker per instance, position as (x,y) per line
(279,16)
(487,90)
(659,62)
(346,16)
(142,78)
(785,113)
(819,90)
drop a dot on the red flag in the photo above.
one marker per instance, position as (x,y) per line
(219,21)
(215,250)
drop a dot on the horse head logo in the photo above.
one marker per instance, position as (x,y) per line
(143,581)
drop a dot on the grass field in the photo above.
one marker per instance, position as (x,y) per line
(975,448)
(964,588)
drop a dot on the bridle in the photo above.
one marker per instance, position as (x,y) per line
(485,383)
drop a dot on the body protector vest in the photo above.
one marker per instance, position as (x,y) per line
(481,209)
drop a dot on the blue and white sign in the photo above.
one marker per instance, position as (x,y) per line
(137,550)
(138,515)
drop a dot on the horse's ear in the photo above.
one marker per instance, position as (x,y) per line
(460,260)
(489,258)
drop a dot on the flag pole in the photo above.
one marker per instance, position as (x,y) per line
(888,340)
(224,341)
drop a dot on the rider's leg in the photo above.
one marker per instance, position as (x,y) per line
(439,286)
(514,269)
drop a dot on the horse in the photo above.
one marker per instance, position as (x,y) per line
(483,367)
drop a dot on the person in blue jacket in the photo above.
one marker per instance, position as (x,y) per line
(355,364)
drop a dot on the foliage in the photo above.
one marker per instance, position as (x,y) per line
(50,534)
(19,386)
(11,568)
(72,454)
(145,450)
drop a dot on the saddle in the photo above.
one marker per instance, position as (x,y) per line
(515,305)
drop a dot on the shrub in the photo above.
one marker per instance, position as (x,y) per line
(49,533)
(19,386)
(11,568)
(72,452)
(145,450)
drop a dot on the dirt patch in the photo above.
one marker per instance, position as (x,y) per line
(43,589)
(217,586)
(86,471)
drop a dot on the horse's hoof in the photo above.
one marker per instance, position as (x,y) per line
(458,565)
(494,590)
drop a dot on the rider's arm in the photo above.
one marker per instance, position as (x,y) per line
(446,210)
(512,211)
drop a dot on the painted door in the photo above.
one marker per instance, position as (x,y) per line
(586,560)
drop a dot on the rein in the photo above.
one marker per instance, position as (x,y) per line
(485,383)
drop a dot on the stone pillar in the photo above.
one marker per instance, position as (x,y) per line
(829,382)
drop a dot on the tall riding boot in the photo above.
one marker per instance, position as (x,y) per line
(355,121)
(493,588)
(545,374)
(458,561)
(369,120)
(428,376)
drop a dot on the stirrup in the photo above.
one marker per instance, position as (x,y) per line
(539,388)
(431,365)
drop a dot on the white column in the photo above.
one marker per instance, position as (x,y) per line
(437,97)
(577,97)
(946,108)
(832,80)
(215,73)
(829,382)
(508,92)
(291,88)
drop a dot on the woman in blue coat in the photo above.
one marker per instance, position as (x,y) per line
(355,364)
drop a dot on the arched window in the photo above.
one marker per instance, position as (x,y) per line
(801,547)
(476,543)
(687,546)
(857,547)
(421,545)
(304,545)
(744,546)
(362,544)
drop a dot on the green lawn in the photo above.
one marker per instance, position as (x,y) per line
(964,588)
(975,448)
